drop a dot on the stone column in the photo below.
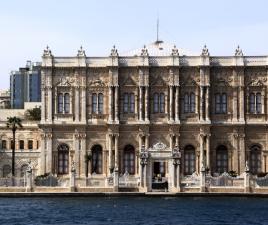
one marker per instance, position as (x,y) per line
(83,153)
(234,104)
(49,105)
(242,151)
(201,162)
(111,94)
(146,103)
(208,151)
(116,99)
(43,155)
(76,148)
(146,142)
(201,103)
(43,107)
(49,153)
(110,153)
(84,103)
(77,104)
(177,104)
(141,104)
(207,104)
(241,105)
(171,104)
(137,104)
(116,151)
(171,136)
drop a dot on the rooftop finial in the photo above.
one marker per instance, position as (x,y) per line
(205,51)
(47,52)
(81,52)
(238,51)
(144,51)
(158,41)
(114,52)
(175,51)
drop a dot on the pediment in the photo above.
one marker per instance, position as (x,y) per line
(159,146)
(129,81)
(159,81)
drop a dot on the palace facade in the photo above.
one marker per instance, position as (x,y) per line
(131,114)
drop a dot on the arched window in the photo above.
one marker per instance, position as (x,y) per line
(21,144)
(66,103)
(186,103)
(4,144)
(258,103)
(221,159)
(192,102)
(63,159)
(220,103)
(162,102)
(30,144)
(129,103)
(156,103)
(100,103)
(23,170)
(60,103)
(129,159)
(96,159)
(255,159)
(6,170)
(189,160)
(94,103)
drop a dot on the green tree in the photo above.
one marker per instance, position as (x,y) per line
(33,114)
(13,123)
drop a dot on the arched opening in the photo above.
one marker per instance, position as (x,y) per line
(6,170)
(221,159)
(129,160)
(23,170)
(63,159)
(96,165)
(255,159)
(189,160)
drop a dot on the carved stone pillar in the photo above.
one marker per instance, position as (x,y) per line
(146,103)
(110,140)
(76,145)
(201,159)
(49,103)
(116,151)
(207,104)
(137,104)
(201,113)
(49,153)
(77,104)
(241,105)
(235,104)
(43,106)
(171,118)
(116,99)
(83,154)
(43,155)
(141,104)
(84,103)
(171,138)
(242,152)
(235,155)
(208,151)
(147,141)
(177,104)
(110,103)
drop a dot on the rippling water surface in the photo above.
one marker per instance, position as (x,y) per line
(132,210)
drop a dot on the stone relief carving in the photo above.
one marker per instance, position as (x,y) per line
(65,81)
(97,83)
(160,146)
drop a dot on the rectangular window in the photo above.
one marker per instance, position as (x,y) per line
(30,144)
(132,103)
(100,103)
(21,144)
(125,106)
(4,144)
(94,103)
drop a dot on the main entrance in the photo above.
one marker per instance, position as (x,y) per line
(159,179)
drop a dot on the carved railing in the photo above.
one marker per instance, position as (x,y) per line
(224,180)
(9,182)
(260,181)
(191,181)
(128,181)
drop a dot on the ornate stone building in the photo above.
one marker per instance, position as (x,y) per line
(129,114)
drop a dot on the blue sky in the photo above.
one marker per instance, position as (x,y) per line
(28,26)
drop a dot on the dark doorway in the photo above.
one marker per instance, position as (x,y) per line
(159,181)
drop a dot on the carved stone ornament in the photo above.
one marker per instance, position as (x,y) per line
(65,82)
(255,82)
(205,51)
(81,52)
(114,52)
(29,167)
(97,83)
(175,51)
(144,155)
(238,51)
(47,52)
(158,147)
(176,155)
(144,51)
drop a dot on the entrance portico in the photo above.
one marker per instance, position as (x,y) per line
(160,167)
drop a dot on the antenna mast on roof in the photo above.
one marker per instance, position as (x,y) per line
(157,32)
